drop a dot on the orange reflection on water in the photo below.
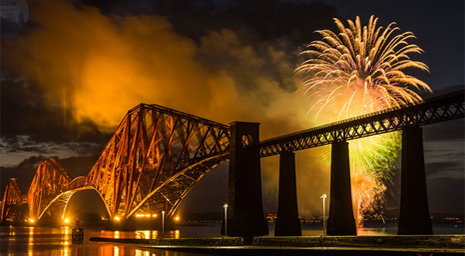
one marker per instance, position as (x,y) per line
(31,235)
(144,253)
(30,240)
(147,234)
(66,237)
(12,234)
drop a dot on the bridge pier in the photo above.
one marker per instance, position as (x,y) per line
(414,216)
(341,216)
(246,218)
(288,222)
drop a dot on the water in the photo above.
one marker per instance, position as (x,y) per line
(45,241)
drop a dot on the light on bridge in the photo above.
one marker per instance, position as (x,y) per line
(146,215)
(66,221)
(117,218)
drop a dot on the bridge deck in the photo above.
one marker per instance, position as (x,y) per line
(437,109)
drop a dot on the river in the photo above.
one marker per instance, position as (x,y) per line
(46,241)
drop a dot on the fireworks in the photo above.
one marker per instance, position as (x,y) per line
(358,71)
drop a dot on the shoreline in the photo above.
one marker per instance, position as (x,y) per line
(327,245)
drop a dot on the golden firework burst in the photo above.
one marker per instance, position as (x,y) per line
(358,71)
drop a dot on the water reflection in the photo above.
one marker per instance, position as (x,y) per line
(144,253)
(43,241)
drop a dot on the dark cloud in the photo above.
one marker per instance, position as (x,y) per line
(444,163)
(446,154)
(26,111)
(24,172)
(255,20)
(80,165)
(32,124)
(437,166)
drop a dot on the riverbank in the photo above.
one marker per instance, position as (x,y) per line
(317,245)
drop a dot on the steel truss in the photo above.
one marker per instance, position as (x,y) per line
(12,202)
(157,154)
(47,187)
(154,158)
(438,109)
(150,164)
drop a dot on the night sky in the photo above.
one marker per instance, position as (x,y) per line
(73,70)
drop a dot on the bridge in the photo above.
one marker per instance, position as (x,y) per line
(157,154)
(149,165)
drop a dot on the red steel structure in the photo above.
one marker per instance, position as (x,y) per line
(49,189)
(12,202)
(149,165)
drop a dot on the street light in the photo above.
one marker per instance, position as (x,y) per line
(163,224)
(225,206)
(324,196)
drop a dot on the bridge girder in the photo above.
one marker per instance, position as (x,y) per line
(152,161)
(49,182)
(13,200)
(442,108)
(146,164)
(157,154)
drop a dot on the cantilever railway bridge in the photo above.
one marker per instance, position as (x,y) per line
(152,161)
(157,154)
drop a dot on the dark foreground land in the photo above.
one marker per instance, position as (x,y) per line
(428,245)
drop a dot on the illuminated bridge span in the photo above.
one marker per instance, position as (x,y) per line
(13,201)
(414,215)
(157,154)
(150,164)
(437,109)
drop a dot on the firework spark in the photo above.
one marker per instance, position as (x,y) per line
(358,71)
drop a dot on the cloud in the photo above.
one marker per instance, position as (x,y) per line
(454,174)
(26,169)
(445,169)
(82,71)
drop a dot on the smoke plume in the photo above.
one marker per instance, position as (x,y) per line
(98,66)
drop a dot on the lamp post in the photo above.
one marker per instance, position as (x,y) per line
(324,196)
(163,224)
(225,206)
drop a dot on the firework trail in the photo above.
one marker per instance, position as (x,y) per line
(358,71)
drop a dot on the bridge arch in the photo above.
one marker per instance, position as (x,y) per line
(60,203)
(152,161)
